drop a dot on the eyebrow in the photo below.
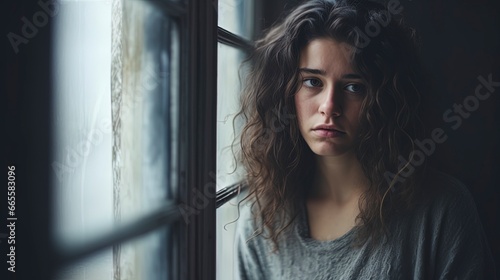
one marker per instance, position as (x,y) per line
(313,71)
(323,72)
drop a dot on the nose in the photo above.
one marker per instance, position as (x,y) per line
(331,103)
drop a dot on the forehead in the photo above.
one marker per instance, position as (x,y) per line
(326,53)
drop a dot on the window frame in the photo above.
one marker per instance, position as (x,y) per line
(40,256)
(198,237)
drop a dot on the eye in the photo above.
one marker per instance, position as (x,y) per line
(355,88)
(312,82)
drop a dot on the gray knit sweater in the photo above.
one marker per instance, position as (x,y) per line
(441,238)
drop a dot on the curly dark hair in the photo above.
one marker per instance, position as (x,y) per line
(277,160)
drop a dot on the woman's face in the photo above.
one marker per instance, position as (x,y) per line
(329,99)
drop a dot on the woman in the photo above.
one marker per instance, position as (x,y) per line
(337,187)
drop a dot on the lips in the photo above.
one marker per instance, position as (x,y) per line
(329,131)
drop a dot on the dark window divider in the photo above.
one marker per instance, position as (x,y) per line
(227,38)
(226,194)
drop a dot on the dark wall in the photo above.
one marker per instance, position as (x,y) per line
(26,92)
(460,43)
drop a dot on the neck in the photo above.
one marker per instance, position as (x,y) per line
(338,179)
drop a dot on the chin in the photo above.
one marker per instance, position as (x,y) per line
(330,151)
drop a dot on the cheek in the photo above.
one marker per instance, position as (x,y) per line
(354,116)
(298,107)
(299,112)
(303,107)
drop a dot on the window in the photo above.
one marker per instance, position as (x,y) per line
(236,22)
(128,141)
(116,103)
(122,99)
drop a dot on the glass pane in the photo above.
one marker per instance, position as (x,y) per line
(147,257)
(236,16)
(97,267)
(226,226)
(229,88)
(228,93)
(115,117)
(82,118)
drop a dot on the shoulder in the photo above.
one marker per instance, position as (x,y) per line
(246,224)
(442,212)
(251,250)
(446,219)
(248,227)
(443,205)
(442,191)
(443,202)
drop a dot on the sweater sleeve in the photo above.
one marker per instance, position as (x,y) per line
(248,263)
(462,251)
